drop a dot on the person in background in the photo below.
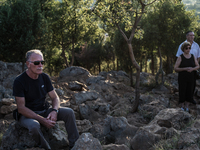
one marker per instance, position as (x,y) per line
(186,65)
(30,89)
(195,50)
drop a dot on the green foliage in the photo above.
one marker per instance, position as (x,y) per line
(94,53)
(121,51)
(55,64)
(22,28)
(71,26)
(165,26)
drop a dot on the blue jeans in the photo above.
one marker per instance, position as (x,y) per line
(65,114)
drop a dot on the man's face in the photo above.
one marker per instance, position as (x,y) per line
(35,69)
(190,37)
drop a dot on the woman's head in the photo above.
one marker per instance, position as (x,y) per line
(185,46)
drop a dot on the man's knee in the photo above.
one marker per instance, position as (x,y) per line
(66,113)
(34,128)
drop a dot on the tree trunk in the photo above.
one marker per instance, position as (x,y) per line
(137,85)
(113,64)
(107,66)
(131,76)
(160,69)
(152,62)
(130,48)
(117,64)
(63,55)
(72,53)
(99,67)
(171,65)
(146,64)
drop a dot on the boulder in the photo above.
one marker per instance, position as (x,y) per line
(17,136)
(5,109)
(115,147)
(87,142)
(74,73)
(178,118)
(85,96)
(144,140)
(7,101)
(116,76)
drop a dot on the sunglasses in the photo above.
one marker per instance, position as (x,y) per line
(37,62)
(188,48)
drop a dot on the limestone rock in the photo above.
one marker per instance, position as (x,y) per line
(87,142)
(7,101)
(115,147)
(7,109)
(17,137)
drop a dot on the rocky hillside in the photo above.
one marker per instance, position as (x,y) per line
(102,105)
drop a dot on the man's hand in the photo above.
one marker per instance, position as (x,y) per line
(48,123)
(52,116)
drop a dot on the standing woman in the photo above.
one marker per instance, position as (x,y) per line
(186,66)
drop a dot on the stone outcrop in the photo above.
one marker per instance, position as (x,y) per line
(17,137)
(87,142)
(7,107)
(103,110)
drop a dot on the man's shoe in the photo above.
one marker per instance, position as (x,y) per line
(193,102)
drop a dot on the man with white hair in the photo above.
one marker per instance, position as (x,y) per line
(30,89)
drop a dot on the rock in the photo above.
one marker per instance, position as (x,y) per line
(116,76)
(59,92)
(74,73)
(18,137)
(121,130)
(7,101)
(2,91)
(7,109)
(4,124)
(114,130)
(122,108)
(84,96)
(87,112)
(160,89)
(76,86)
(143,140)
(177,117)
(115,147)
(189,137)
(87,142)
(83,125)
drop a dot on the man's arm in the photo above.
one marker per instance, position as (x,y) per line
(22,109)
(55,105)
(179,52)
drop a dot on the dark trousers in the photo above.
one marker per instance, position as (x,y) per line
(186,89)
(64,114)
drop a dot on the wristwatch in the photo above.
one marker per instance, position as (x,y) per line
(55,110)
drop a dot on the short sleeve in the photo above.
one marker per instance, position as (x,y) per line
(48,83)
(18,89)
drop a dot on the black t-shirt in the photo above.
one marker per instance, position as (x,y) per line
(33,90)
